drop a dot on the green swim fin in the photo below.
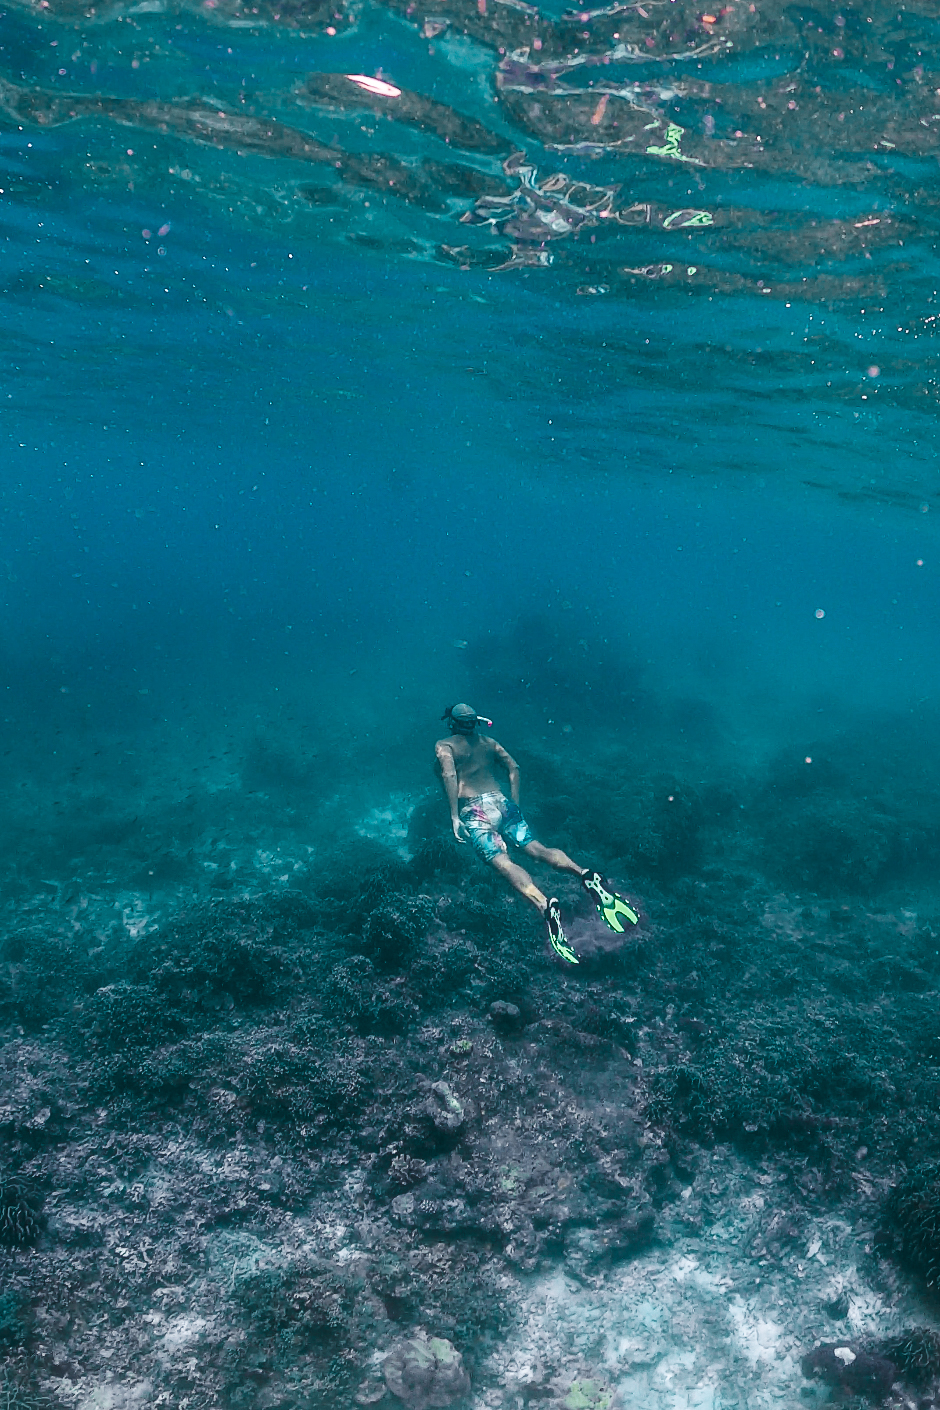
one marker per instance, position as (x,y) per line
(610,906)
(556,935)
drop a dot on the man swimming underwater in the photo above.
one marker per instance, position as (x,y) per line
(481,813)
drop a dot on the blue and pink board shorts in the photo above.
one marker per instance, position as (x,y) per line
(491,819)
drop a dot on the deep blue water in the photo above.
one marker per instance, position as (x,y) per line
(267,461)
(283,439)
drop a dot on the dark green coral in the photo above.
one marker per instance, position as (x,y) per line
(20,1208)
(912,1214)
(915,1352)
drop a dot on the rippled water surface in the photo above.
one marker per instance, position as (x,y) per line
(715,229)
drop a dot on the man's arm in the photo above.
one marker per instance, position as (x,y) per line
(512,769)
(448,770)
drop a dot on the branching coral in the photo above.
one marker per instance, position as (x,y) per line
(915,1352)
(354,993)
(130,1015)
(19,1214)
(13,1323)
(913,1212)
(243,953)
(303,1083)
(394,930)
(763,1083)
(16,1394)
(301,1307)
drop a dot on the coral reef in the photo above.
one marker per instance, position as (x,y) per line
(19,1214)
(14,1328)
(915,1352)
(130,1015)
(851,1369)
(17,1393)
(297,1126)
(912,1212)
(425,1372)
(396,927)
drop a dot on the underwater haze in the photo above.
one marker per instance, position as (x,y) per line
(363,356)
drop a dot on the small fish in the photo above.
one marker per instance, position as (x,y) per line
(460,645)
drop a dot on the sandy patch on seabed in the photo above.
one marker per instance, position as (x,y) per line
(704,1324)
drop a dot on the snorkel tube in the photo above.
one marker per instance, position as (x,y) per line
(463,719)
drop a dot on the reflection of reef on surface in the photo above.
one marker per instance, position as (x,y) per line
(308,16)
(655,97)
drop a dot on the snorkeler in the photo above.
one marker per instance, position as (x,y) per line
(481,813)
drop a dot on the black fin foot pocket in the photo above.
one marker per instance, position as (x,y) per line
(611,907)
(556,935)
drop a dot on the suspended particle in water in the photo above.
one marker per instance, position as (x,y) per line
(164,230)
(874,371)
(597,116)
(819,614)
(808,759)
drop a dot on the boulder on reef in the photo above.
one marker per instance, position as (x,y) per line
(505,1017)
(851,1368)
(446,1111)
(426,1372)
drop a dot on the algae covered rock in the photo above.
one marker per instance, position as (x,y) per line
(505,1017)
(446,1111)
(426,1371)
(851,1369)
(587,1395)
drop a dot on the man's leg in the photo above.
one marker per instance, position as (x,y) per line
(491,846)
(520,880)
(613,909)
(554,856)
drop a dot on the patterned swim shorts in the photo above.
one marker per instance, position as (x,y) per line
(489,819)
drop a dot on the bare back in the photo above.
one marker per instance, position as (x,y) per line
(476,761)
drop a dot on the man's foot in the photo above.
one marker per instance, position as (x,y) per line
(556,936)
(613,909)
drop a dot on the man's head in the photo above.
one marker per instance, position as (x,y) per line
(462,719)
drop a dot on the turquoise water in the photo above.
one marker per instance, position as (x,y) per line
(294,398)
(362,357)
